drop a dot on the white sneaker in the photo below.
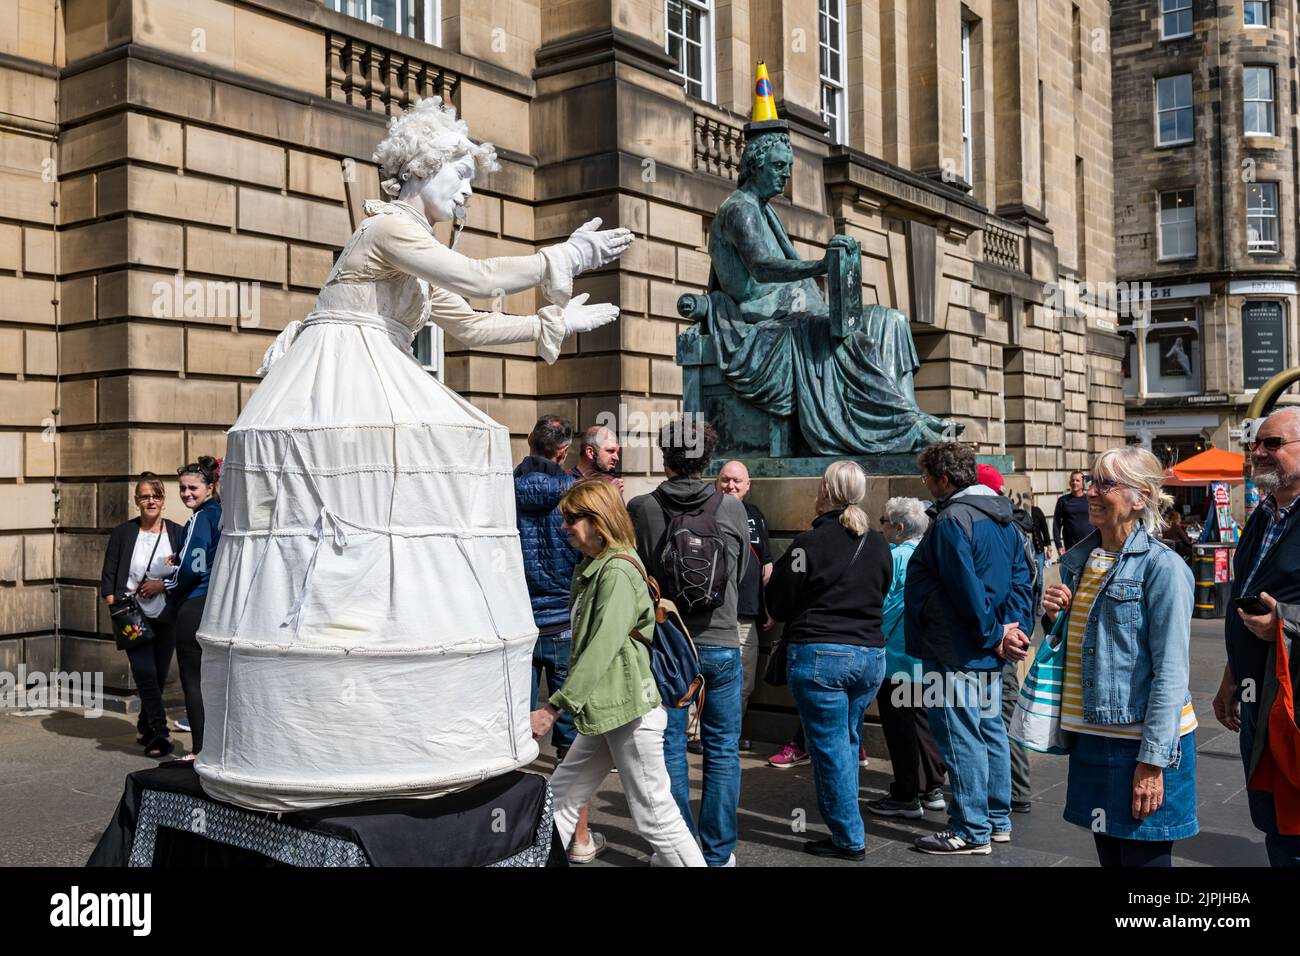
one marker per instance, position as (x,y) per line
(183,725)
(1001,836)
(731,861)
(586,852)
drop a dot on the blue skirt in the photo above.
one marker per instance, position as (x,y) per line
(1099,794)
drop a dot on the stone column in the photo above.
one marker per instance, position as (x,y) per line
(1018,192)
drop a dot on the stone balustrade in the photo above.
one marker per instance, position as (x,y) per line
(718,145)
(380,79)
(1004,245)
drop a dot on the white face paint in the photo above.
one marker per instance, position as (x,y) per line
(439,196)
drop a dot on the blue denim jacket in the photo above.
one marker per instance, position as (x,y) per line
(1136,643)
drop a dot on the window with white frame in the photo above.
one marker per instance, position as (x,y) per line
(1175,19)
(1257,94)
(967,137)
(830,48)
(1261,217)
(1178,224)
(421,19)
(1174,109)
(428,348)
(688,29)
(1258,13)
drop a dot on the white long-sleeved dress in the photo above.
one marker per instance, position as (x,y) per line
(368,631)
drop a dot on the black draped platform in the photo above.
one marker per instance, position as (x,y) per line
(166,820)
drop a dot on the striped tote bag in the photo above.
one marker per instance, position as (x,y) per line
(1036,723)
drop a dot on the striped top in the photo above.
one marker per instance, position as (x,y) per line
(1094,572)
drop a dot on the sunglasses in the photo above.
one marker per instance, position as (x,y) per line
(1104,486)
(1271,444)
(148,497)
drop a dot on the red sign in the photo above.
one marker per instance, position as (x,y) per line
(1220,565)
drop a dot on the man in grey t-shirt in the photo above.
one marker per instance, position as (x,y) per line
(687,445)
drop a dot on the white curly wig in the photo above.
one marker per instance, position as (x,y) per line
(421,139)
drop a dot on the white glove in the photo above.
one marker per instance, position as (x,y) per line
(580,317)
(591,247)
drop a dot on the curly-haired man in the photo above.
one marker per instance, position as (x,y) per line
(687,443)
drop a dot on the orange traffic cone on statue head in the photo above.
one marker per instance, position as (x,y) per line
(763,118)
(764,102)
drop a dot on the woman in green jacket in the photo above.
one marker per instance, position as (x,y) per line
(610,689)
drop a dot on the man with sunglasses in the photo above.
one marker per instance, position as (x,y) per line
(1267,562)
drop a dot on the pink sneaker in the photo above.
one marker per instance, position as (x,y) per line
(862,757)
(788,756)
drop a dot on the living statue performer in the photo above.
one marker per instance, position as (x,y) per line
(368,631)
(776,345)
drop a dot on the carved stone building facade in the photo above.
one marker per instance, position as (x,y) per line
(178,175)
(1205,212)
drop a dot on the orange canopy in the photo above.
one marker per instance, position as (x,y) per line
(1213,464)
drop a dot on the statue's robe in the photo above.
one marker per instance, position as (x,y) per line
(773,339)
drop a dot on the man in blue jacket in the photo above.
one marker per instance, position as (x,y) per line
(967,595)
(549,560)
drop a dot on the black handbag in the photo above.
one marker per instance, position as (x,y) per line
(131,627)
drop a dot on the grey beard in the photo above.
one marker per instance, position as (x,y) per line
(1271,480)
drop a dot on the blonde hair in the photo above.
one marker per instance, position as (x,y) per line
(1139,471)
(598,499)
(846,485)
(421,139)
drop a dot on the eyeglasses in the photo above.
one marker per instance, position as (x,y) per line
(1104,486)
(148,497)
(1272,443)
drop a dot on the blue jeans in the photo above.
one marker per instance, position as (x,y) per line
(970,733)
(720,734)
(1283,851)
(833,685)
(551,655)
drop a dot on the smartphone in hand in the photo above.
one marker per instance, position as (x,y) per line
(1253,604)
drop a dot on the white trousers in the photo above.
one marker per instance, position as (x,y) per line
(637,750)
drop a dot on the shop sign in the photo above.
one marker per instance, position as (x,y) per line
(1263,341)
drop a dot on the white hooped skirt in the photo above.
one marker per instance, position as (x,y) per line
(368,632)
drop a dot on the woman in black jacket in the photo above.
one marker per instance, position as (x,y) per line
(136,564)
(829,588)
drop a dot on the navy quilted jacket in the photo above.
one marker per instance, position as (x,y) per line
(549,560)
